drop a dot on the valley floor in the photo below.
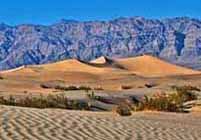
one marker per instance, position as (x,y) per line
(26,123)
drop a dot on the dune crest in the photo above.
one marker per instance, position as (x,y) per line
(71,65)
(26,70)
(111,75)
(99,60)
(146,65)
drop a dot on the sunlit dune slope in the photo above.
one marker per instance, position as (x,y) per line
(149,66)
(20,71)
(71,65)
(68,70)
(105,72)
(100,60)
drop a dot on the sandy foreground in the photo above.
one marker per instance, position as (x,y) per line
(44,124)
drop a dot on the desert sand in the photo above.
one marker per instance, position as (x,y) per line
(51,124)
(109,74)
(149,66)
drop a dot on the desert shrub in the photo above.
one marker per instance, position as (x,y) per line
(78,105)
(92,96)
(172,102)
(50,101)
(160,103)
(150,85)
(8,101)
(98,88)
(84,88)
(187,93)
(59,101)
(126,87)
(186,88)
(65,88)
(124,110)
(45,85)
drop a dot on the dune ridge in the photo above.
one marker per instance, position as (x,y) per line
(146,65)
(150,66)
(99,60)
(71,65)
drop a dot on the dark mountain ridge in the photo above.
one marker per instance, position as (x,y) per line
(177,40)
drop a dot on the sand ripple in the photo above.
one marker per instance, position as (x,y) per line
(36,124)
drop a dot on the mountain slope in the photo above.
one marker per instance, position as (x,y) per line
(177,40)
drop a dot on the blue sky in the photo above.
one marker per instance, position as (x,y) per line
(50,11)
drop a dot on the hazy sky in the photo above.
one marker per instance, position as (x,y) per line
(51,11)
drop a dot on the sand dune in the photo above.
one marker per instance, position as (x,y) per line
(68,71)
(22,69)
(59,69)
(28,123)
(146,66)
(51,124)
(109,73)
(150,66)
(71,65)
(13,70)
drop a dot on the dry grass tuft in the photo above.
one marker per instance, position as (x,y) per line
(65,88)
(172,102)
(124,110)
(50,101)
(126,87)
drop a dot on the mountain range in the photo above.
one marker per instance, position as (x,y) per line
(177,40)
